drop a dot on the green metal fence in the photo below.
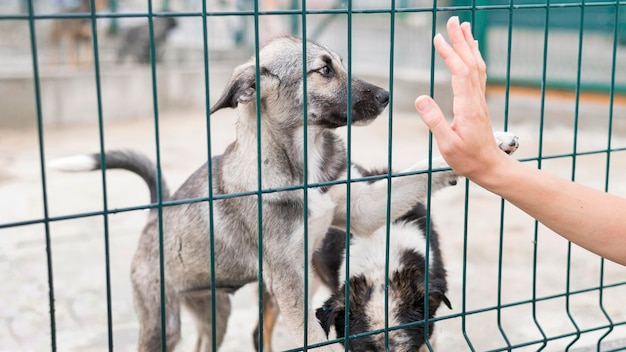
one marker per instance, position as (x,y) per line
(523,289)
(574,30)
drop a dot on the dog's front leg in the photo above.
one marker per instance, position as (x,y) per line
(368,201)
(284,275)
(291,305)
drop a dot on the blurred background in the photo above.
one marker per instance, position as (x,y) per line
(557,78)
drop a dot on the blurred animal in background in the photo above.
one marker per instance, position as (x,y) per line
(69,41)
(135,41)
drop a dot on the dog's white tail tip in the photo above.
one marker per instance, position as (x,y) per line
(76,163)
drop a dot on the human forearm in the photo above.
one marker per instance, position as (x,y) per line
(590,218)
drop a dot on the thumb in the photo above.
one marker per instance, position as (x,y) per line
(433,117)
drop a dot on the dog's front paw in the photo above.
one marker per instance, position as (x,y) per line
(442,179)
(506,141)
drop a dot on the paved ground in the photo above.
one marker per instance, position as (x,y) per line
(78,245)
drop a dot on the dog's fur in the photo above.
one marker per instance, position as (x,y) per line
(407,290)
(72,36)
(186,228)
(135,41)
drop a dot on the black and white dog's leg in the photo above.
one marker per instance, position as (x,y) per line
(368,206)
(368,201)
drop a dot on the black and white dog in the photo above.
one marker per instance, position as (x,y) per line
(407,289)
(406,286)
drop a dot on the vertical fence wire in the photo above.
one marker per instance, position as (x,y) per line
(608,165)
(305,176)
(464,309)
(464,269)
(105,206)
(42,168)
(568,274)
(392,22)
(466,337)
(207,109)
(535,234)
(466,208)
(540,145)
(502,202)
(502,207)
(157,140)
(499,289)
(348,174)
(429,190)
(259,147)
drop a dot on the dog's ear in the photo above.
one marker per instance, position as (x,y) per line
(327,315)
(241,88)
(436,296)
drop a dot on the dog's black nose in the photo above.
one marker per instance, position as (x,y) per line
(382,97)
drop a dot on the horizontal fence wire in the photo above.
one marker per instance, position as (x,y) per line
(253,13)
(366,179)
(568,294)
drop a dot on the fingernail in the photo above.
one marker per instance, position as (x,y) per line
(454,19)
(422,103)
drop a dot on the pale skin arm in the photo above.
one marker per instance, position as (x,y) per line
(587,217)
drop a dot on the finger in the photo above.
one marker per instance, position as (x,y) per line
(464,81)
(458,37)
(434,118)
(482,66)
(478,59)
(466,29)
(450,57)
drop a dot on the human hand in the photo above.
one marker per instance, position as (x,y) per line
(467,144)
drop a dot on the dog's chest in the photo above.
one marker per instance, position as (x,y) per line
(369,257)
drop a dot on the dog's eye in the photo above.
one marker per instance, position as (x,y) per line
(325,71)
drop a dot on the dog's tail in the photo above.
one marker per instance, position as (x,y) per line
(116,159)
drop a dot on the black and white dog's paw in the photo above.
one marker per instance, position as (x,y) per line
(507,141)
(442,179)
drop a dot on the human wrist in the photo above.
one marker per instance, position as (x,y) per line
(495,174)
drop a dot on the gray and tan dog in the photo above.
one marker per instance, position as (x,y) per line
(186,227)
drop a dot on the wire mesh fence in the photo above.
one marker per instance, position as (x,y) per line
(66,240)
